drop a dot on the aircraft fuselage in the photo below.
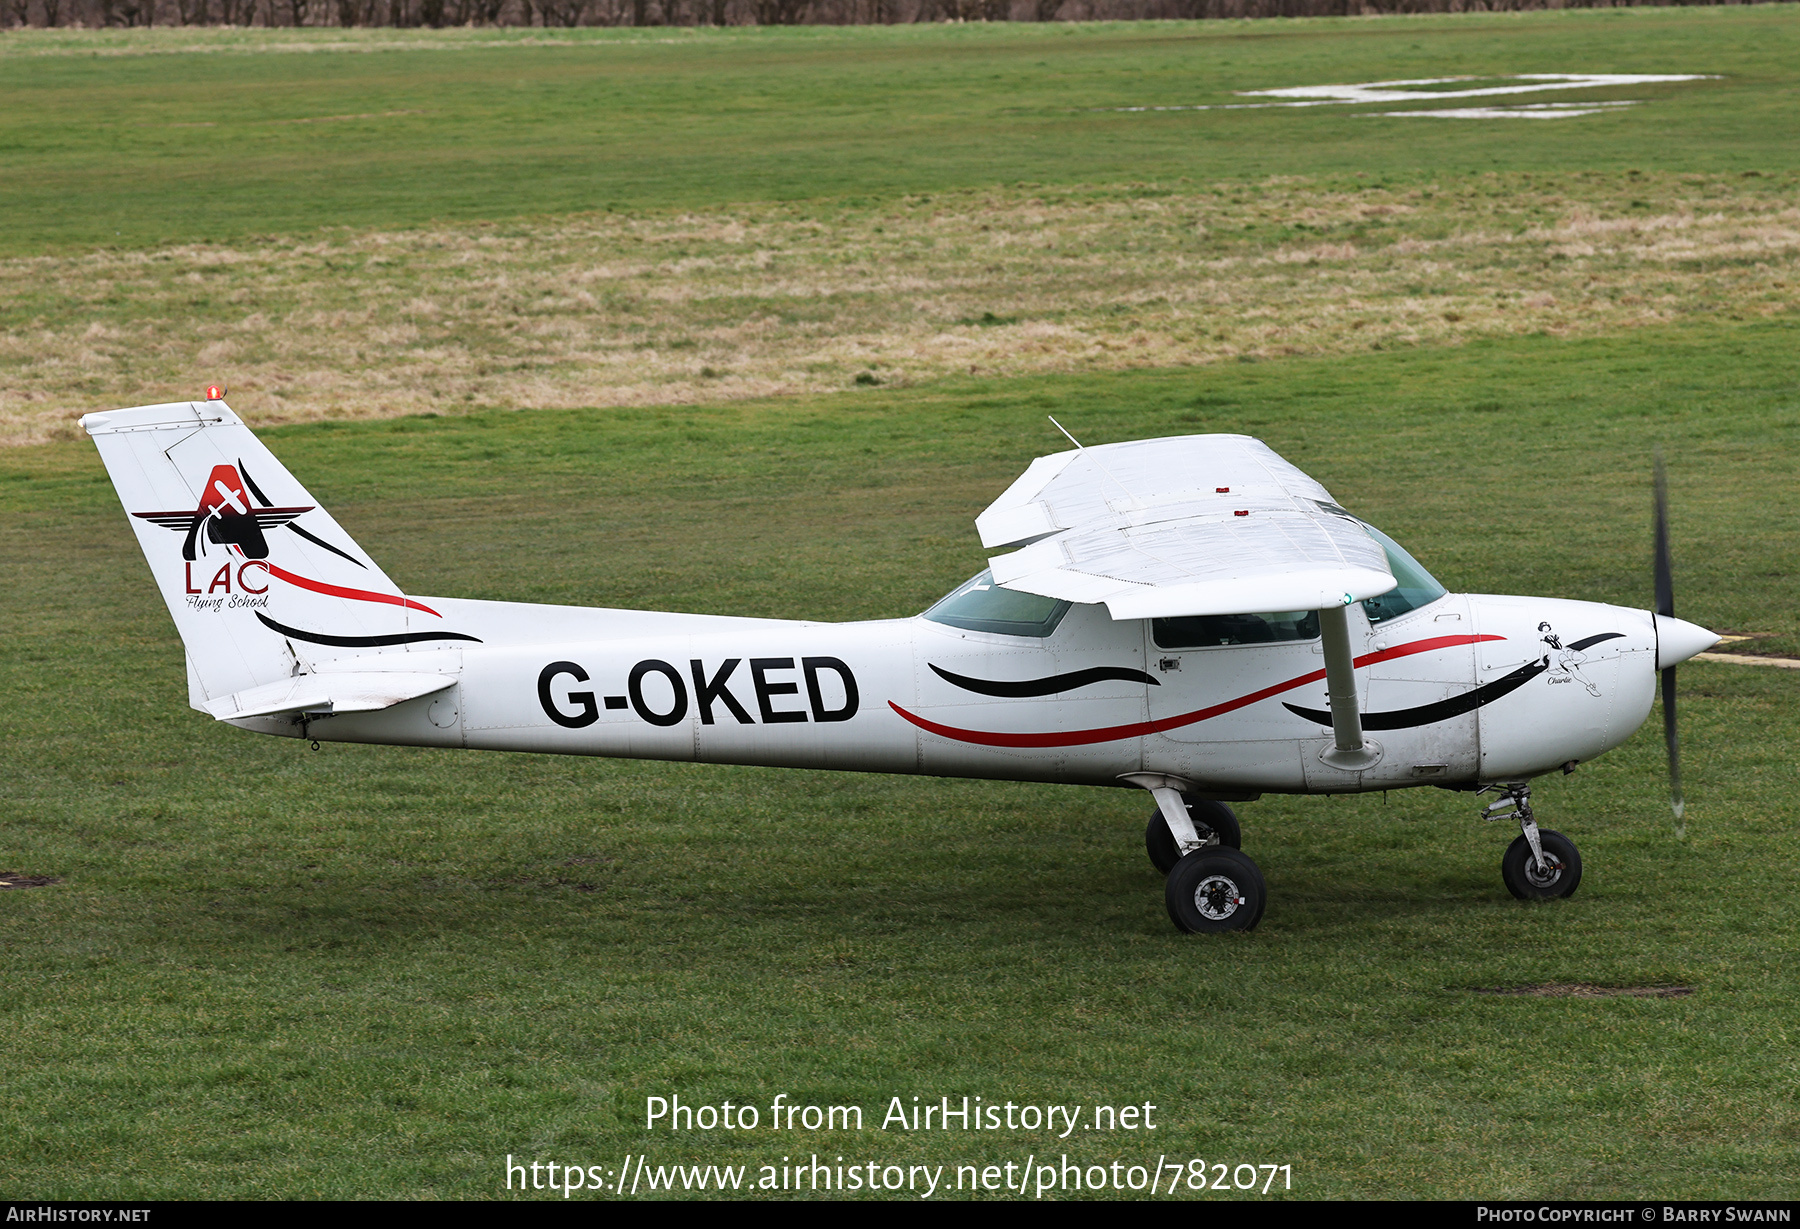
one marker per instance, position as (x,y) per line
(1464,690)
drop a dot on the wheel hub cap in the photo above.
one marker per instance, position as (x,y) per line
(1217,898)
(1552,871)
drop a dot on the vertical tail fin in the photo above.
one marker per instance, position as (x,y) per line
(255,573)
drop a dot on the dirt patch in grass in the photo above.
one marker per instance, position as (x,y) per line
(764,300)
(1586,990)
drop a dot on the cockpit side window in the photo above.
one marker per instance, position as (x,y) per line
(980,605)
(1205,631)
(1417,587)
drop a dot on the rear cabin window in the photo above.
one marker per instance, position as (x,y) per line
(1204,631)
(979,605)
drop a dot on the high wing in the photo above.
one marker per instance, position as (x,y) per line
(1185,525)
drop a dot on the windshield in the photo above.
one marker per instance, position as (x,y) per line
(1417,587)
(979,605)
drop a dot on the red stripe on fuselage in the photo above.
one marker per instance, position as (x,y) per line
(1077,738)
(355,595)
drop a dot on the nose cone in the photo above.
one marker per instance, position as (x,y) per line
(1677,640)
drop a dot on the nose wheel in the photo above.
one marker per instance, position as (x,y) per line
(1558,874)
(1540,864)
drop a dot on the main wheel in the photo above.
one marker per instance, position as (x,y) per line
(1215,888)
(1525,881)
(1214,822)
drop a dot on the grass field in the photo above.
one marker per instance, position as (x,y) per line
(772,299)
(357,225)
(217,136)
(268,972)
(378,971)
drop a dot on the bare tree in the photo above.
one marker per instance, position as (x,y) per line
(563,12)
(778,12)
(439,13)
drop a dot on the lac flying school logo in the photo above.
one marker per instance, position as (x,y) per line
(227,517)
(236,515)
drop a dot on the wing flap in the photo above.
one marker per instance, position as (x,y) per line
(365,691)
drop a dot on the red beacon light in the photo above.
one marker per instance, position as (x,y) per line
(215,392)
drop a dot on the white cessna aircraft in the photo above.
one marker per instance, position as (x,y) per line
(1192,616)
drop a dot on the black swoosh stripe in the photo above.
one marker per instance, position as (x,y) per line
(316,540)
(251,483)
(1046,686)
(1588,642)
(313,538)
(1442,710)
(361,642)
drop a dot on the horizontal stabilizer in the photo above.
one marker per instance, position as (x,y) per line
(348,692)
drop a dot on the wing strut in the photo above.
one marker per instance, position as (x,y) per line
(1349,751)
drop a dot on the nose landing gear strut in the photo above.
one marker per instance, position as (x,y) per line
(1540,864)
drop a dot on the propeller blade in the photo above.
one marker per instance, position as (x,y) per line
(1673,741)
(1665,606)
(1665,581)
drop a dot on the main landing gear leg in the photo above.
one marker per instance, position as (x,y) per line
(1212,822)
(1540,864)
(1173,810)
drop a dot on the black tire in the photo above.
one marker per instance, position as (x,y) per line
(1522,878)
(1214,889)
(1214,821)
